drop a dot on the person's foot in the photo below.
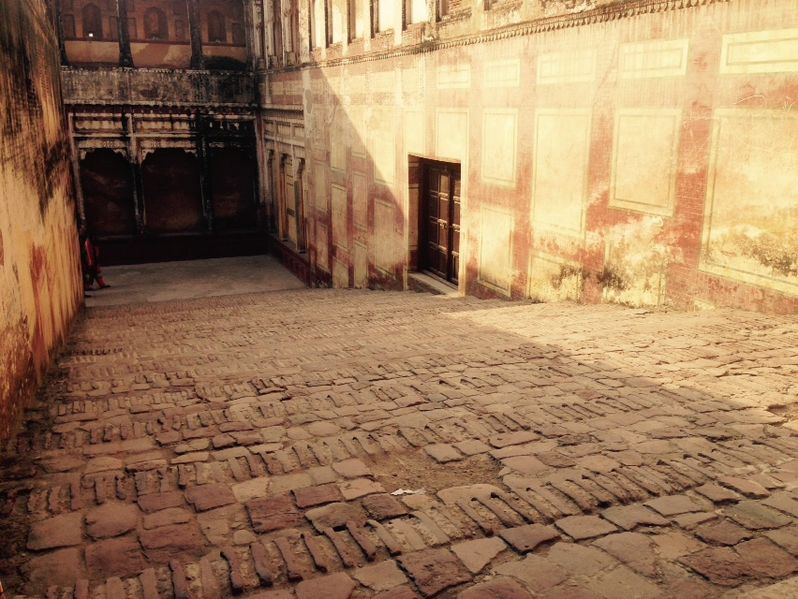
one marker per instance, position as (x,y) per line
(104,286)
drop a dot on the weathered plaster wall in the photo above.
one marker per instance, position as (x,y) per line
(40,288)
(644,154)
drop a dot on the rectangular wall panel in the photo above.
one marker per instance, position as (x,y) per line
(339,217)
(751,220)
(338,141)
(451,134)
(573,66)
(360,205)
(360,258)
(774,51)
(502,73)
(553,279)
(658,58)
(644,160)
(495,248)
(322,251)
(415,132)
(382,82)
(320,186)
(499,141)
(560,173)
(386,239)
(340,272)
(358,130)
(383,154)
(457,76)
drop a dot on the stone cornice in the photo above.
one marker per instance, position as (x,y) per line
(620,10)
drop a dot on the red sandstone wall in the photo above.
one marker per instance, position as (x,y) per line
(643,156)
(40,288)
(164,44)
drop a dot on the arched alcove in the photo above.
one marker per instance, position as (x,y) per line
(107,185)
(217,27)
(92,18)
(171,189)
(232,177)
(156,27)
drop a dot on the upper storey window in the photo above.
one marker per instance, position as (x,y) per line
(385,15)
(92,22)
(318,24)
(217,28)
(155,25)
(415,11)
(239,39)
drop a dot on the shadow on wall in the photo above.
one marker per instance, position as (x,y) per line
(627,160)
(40,283)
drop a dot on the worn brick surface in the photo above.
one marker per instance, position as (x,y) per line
(181,446)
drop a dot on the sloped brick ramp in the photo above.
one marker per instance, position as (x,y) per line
(332,444)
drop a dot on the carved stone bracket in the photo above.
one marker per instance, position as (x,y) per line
(148,146)
(118,146)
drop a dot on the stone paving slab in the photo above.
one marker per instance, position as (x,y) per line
(309,443)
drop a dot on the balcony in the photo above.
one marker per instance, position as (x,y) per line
(148,87)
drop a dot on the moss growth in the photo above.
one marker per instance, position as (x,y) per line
(566,272)
(610,278)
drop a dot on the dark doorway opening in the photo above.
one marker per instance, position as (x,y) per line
(172,196)
(107,183)
(232,189)
(439,228)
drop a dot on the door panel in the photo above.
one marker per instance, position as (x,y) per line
(441,221)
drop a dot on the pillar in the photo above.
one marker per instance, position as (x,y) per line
(60,31)
(195,27)
(125,54)
(299,205)
(263,173)
(250,36)
(135,170)
(202,130)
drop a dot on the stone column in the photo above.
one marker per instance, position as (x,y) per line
(433,16)
(262,172)
(299,208)
(125,54)
(271,212)
(250,34)
(256,30)
(135,171)
(202,131)
(195,27)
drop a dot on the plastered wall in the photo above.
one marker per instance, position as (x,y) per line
(40,288)
(644,154)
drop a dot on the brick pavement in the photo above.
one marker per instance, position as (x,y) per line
(251,446)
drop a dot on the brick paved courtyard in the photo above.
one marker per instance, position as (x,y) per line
(331,444)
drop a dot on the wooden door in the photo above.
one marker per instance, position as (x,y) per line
(441,221)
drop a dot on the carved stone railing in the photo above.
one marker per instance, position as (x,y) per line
(154,87)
